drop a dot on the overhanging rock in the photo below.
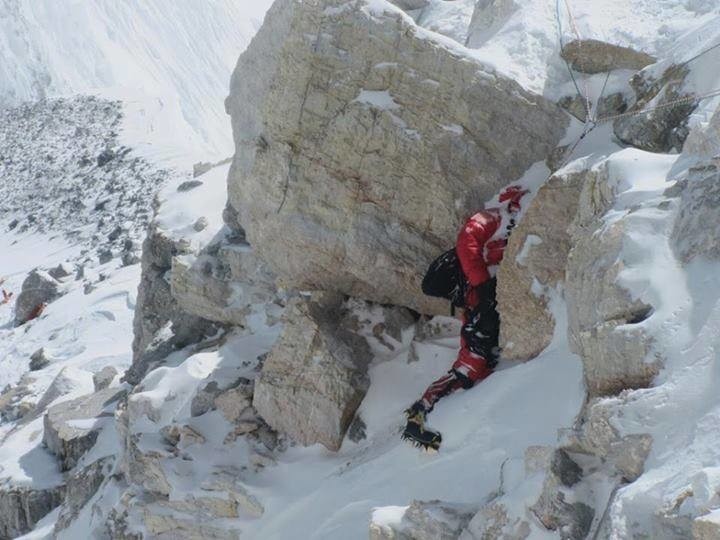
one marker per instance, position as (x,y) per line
(362,144)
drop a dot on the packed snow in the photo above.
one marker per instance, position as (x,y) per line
(158,75)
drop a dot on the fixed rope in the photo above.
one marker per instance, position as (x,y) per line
(574,27)
(672,103)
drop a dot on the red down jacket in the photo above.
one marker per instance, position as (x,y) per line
(478,251)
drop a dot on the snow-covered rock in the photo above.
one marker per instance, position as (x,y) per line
(595,56)
(604,316)
(360,151)
(534,262)
(315,377)
(422,520)
(71,427)
(38,290)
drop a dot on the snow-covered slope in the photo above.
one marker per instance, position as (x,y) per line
(185,467)
(175,56)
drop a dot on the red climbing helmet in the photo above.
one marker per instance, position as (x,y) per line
(512,195)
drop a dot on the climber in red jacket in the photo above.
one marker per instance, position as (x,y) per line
(479,248)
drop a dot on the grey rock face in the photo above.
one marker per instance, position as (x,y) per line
(697,229)
(222,284)
(431,520)
(572,520)
(707,527)
(157,308)
(15,399)
(624,456)
(64,438)
(537,252)
(80,488)
(204,400)
(104,377)
(360,148)
(61,271)
(705,142)
(65,382)
(609,105)
(38,360)
(568,249)
(22,507)
(594,56)
(38,289)
(314,378)
(662,130)
(601,313)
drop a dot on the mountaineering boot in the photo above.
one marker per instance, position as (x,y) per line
(415,430)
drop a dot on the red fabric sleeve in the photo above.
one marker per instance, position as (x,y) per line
(471,246)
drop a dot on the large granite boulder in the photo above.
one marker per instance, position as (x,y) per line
(595,56)
(38,290)
(362,144)
(535,258)
(314,378)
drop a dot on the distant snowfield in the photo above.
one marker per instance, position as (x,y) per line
(170,60)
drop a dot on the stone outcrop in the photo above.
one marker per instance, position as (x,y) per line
(704,141)
(664,129)
(535,258)
(609,105)
(22,507)
(623,456)
(157,308)
(572,520)
(38,290)
(222,284)
(71,427)
(707,527)
(602,315)
(315,377)
(431,520)
(103,378)
(569,250)
(558,503)
(16,399)
(80,488)
(594,56)
(361,146)
(39,360)
(697,230)
(68,381)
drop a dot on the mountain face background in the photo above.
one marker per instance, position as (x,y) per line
(214,217)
